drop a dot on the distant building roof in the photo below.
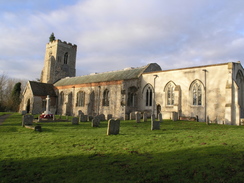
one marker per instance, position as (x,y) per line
(42,89)
(128,73)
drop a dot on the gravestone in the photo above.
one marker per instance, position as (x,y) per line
(126,117)
(80,112)
(23,112)
(75,121)
(138,117)
(160,117)
(145,117)
(102,117)
(89,118)
(132,115)
(96,121)
(110,116)
(27,120)
(174,116)
(153,117)
(113,127)
(83,118)
(155,125)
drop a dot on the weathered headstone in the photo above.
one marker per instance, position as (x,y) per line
(23,112)
(160,117)
(155,125)
(89,118)
(109,116)
(95,121)
(144,116)
(102,117)
(83,118)
(80,112)
(153,117)
(138,117)
(175,116)
(132,115)
(75,121)
(126,117)
(27,120)
(113,127)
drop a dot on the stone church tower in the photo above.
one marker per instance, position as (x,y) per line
(60,60)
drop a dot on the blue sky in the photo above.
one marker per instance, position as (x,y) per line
(112,35)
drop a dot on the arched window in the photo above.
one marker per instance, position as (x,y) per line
(148,94)
(81,98)
(196,91)
(105,98)
(66,55)
(169,89)
(61,98)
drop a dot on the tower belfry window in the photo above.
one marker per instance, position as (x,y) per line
(66,58)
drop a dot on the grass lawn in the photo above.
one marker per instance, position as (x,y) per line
(180,151)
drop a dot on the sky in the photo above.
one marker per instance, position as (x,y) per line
(116,34)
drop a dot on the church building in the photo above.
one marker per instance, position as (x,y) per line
(211,93)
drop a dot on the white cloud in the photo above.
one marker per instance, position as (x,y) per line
(111,35)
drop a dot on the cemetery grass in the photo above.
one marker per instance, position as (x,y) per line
(180,151)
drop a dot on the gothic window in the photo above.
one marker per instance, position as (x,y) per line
(196,91)
(61,98)
(131,101)
(81,98)
(148,94)
(66,58)
(169,89)
(105,98)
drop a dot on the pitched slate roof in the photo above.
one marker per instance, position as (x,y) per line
(125,74)
(42,89)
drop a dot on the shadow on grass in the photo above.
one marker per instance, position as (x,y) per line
(207,164)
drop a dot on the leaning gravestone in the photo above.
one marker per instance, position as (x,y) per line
(27,120)
(132,115)
(75,121)
(96,121)
(113,127)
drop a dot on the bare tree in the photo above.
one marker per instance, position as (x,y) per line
(6,88)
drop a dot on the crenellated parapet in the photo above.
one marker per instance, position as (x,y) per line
(62,42)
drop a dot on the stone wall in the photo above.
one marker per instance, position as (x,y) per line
(221,92)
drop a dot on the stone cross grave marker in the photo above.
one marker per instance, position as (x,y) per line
(113,127)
